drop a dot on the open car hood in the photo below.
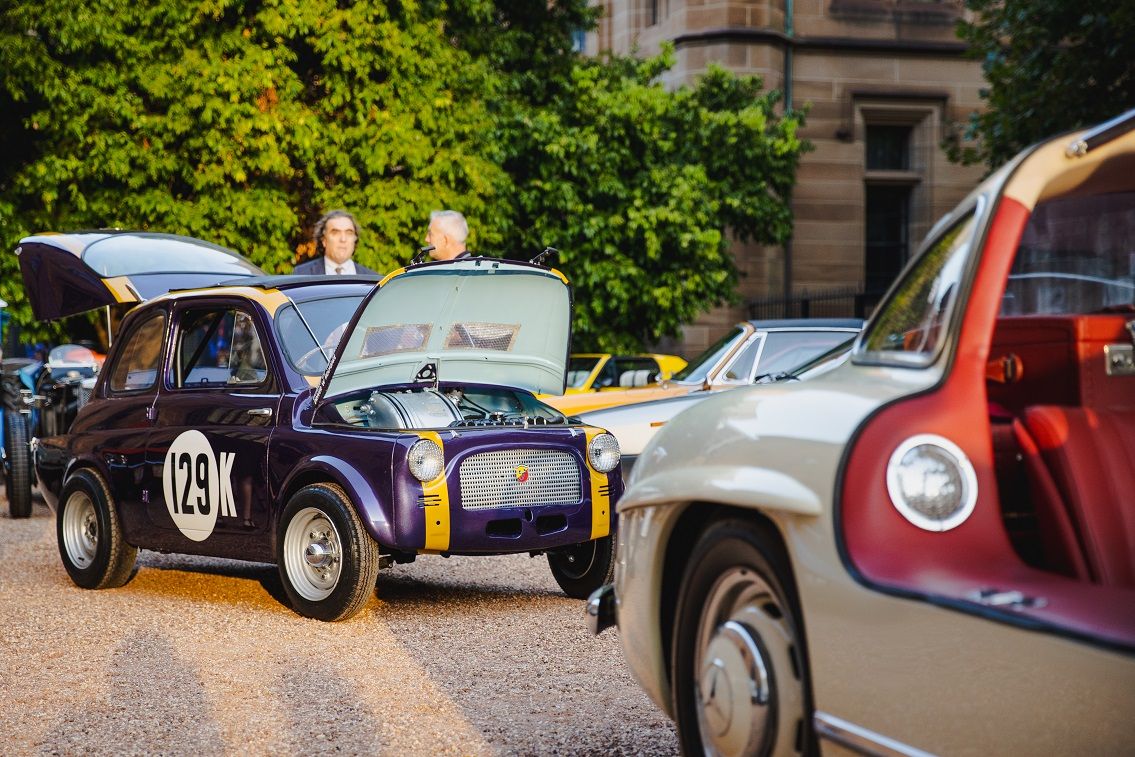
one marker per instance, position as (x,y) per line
(65,274)
(475,320)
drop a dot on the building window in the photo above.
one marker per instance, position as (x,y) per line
(887,200)
(652,12)
(888,147)
(887,243)
(578,40)
(895,167)
(922,12)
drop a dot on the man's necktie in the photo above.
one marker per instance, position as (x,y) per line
(339,270)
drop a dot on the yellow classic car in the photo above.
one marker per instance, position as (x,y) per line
(599,372)
(749,350)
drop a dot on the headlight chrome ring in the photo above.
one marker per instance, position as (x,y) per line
(603,453)
(426,460)
(932,483)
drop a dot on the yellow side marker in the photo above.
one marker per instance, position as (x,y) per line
(436,514)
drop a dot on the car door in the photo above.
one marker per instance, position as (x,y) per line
(213,417)
(119,421)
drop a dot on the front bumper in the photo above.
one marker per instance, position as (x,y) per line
(636,599)
(601,609)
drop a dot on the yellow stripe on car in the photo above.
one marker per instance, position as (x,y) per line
(269,299)
(391,275)
(600,493)
(436,514)
(559,275)
(120,287)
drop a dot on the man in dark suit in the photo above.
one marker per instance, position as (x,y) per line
(336,235)
(447,233)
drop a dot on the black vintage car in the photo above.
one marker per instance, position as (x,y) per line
(39,399)
(69,274)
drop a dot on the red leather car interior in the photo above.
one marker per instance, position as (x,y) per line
(1058,360)
(1090,456)
(1074,427)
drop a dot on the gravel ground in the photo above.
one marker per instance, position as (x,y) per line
(476,656)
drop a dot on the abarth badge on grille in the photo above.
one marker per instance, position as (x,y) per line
(521,473)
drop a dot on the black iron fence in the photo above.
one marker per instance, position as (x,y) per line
(848,302)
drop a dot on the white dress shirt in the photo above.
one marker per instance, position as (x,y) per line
(342,269)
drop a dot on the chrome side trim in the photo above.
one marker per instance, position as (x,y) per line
(860,739)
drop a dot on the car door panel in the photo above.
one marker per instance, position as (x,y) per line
(207,451)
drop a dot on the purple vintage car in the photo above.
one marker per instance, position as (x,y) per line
(336,425)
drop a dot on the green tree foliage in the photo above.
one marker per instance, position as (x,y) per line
(637,185)
(240,121)
(1051,65)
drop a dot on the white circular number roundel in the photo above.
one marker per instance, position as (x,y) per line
(192,485)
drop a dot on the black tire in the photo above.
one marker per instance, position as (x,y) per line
(94,551)
(328,562)
(737,632)
(17,465)
(580,569)
(10,383)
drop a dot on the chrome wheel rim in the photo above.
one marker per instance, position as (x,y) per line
(747,681)
(80,530)
(313,554)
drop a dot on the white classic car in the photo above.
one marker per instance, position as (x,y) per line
(635,425)
(931,548)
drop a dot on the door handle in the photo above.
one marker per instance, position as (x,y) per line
(264,411)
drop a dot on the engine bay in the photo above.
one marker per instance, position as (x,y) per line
(446,407)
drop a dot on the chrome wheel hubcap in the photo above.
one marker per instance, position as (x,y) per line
(748,688)
(80,530)
(313,556)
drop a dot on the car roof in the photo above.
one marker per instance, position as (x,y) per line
(298,288)
(784,324)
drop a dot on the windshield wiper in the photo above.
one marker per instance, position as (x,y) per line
(772,378)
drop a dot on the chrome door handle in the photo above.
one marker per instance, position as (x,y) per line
(264,411)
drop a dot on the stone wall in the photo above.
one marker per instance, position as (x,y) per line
(851,63)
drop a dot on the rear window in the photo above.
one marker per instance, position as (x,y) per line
(136,366)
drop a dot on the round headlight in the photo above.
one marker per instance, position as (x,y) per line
(603,452)
(932,483)
(426,460)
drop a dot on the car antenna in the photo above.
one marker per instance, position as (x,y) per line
(548,252)
(422,252)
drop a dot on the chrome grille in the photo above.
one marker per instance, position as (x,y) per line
(490,479)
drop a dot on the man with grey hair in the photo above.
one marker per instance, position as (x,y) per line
(336,235)
(447,234)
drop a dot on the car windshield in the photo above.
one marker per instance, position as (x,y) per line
(307,340)
(813,366)
(1075,257)
(699,367)
(911,325)
(579,368)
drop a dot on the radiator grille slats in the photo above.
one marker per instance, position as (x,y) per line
(493,479)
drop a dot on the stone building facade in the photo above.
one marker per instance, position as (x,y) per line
(884,80)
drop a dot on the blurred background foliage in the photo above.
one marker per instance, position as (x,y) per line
(241,121)
(1051,66)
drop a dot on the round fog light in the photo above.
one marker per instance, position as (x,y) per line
(603,452)
(932,483)
(426,460)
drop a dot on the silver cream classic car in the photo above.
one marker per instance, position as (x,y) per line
(931,548)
